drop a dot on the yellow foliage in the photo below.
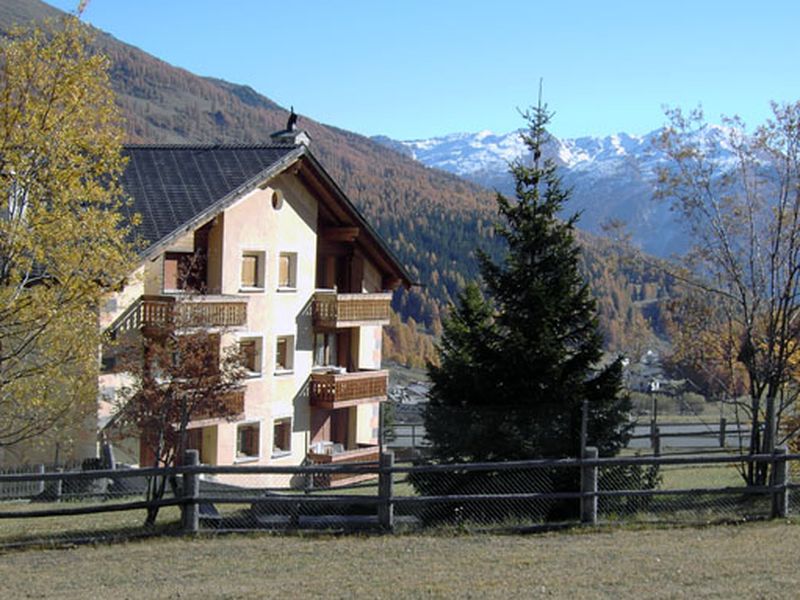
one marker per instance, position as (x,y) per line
(63,241)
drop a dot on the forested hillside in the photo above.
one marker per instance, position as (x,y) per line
(432,220)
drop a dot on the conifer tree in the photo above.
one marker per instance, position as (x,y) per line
(518,361)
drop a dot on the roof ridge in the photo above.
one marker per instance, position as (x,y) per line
(201,146)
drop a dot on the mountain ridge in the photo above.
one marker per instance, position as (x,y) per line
(433,220)
(613,177)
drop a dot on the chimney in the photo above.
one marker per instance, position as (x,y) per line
(292,135)
(295,137)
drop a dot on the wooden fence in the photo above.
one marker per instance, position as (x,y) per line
(377,507)
(411,436)
(22,489)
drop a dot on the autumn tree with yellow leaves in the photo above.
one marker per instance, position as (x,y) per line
(739,194)
(64,242)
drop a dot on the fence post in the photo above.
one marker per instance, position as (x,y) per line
(107,451)
(654,415)
(723,425)
(39,470)
(584,425)
(780,477)
(589,486)
(58,486)
(385,485)
(657,441)
(191,491)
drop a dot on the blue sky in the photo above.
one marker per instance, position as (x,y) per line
(414,69)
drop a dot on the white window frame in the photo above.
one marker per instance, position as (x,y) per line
(261,271)
(176,290)
(292,287)
(259,341)
(248,457)
(329,342)
(290,352)
(277,452)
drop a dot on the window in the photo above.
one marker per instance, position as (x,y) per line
(282,436)
(194,440)
(324,349)
(287,270)
(284,353)
(248,441)
(252,270)
(181,271)
(250,352)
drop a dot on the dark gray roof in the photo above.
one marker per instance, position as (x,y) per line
(171,185)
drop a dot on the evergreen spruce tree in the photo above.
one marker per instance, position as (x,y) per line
(518,361)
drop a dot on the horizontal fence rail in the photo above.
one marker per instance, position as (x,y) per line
(51,506)
(410,436)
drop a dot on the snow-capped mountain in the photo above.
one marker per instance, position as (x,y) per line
(612,177)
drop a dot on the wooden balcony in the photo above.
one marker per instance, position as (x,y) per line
(231,406)
(192,311)
(340,390)
(332,310)
(363,454)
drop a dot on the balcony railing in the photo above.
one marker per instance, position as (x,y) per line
(363,454)
(231,405)
(199,311)
(332,310)
(340,390)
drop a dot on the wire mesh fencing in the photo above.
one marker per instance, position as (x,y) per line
(488,495)
(697,490)
(95,505)
(73,504)
(323,497)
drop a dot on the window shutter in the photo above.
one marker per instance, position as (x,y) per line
(280,354)
(248,351)
(284,271)
(250,270)
(170,272)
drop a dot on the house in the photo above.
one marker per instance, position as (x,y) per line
(292,274)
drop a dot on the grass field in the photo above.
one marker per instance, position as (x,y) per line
(744,561)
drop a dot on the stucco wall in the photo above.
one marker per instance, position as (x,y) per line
(368,417)
(254,224)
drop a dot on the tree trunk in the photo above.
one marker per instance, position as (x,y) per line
(155,485)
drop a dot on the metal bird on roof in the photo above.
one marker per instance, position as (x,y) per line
(291,124)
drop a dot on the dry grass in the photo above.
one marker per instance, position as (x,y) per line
(745,561)
(108,524)
(678,477)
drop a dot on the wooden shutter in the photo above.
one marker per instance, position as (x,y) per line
(281,351)
(248,350)
(247,441)
(285,271)
(171,271)
(282,435)
(250,270)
